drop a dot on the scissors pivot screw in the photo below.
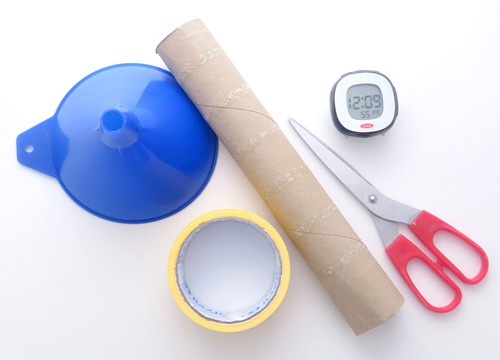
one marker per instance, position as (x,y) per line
(372,199)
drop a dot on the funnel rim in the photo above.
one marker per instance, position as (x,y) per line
(151,219)
(107,68)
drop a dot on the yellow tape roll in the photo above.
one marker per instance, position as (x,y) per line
(229,255)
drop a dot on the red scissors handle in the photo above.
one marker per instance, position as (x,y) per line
(401,251)
(425,226)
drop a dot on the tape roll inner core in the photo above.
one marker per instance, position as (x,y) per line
(228,269)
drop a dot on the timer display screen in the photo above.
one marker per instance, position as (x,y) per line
(365,102)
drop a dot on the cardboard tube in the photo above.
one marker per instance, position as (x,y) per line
(351,276)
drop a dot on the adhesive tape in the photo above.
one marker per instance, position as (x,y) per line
(229,270)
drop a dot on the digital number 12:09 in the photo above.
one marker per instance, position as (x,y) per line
(365,102)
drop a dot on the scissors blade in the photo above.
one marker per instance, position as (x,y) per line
(370,197)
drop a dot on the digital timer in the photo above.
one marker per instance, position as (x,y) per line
(363,103)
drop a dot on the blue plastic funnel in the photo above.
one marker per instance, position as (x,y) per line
(126,143)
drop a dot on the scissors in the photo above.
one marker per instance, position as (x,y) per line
(387,213)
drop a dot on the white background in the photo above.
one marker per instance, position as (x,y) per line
(74,286)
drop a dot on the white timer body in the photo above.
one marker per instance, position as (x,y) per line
(363,103)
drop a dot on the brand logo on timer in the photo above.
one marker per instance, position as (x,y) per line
(366,126)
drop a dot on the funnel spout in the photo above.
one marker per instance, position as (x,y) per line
(118,128)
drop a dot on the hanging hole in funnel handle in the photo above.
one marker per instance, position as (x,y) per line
(29,148)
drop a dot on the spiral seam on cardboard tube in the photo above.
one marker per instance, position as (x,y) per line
(231,97)
(308,224)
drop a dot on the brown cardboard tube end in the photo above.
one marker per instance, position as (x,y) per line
(185,26)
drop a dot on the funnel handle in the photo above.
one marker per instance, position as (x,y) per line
(34,147)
